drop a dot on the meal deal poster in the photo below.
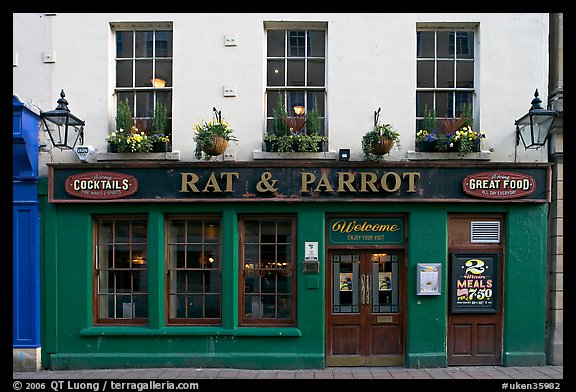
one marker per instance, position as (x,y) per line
(474,283)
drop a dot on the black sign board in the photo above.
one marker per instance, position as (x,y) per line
(273,181)
(474,283)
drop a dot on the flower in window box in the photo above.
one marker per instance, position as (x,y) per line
(138,141)
(160,142)
(427,140)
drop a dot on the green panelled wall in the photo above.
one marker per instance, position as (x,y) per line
(71,341)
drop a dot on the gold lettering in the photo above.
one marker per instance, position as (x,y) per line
(384,183)
(229,177)
(306,178)
(345,181)
(212,183)
(325,183)
(189,180)
(411,180)
(370,182)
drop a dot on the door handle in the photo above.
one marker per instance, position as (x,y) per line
(362,288)
(368,289)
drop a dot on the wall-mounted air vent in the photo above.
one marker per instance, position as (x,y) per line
(485,231)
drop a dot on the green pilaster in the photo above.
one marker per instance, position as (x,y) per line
(156,270)
(525,286)
(426,315)
(230,268)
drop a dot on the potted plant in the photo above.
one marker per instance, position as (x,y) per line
(160,139)
(379,140)
(467,140)
(427,136)
(117,139)
(297,132)
(138,141)
(212,137)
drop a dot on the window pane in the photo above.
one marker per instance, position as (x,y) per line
(140,281)
(251,256)
(268,282)
(177,231)
(211,256)
(124,73)
(295,73)
(212,232)
(461,100)
(315,73)
(284,306)
(144,44)
(104,256)
(139,234)
(284,256)
(284,283)
(445,73)
(194,232)
(275,73)
(424,100)
(105,232)
(122,234)
(284,232)
(252,307)
(425,74)
(425,42)
(122,281)
(163,43)
(177,256)
(212,306)
(212,281)
(252,232)
(144,104)
(164,72)
(465,45)
(166,98)
(316,44)
(195,306)
(193,256)
(124,43)
(143,71)
(195,282)
(295,98)
(444,105)
(465,74)
(251,281)
(105,282)
(445,44)
(275,43)
(296,42)
(122,256)
(316,97)
(140,306)
(268,256)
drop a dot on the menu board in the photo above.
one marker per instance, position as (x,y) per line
(474,283)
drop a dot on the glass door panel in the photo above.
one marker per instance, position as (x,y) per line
(384,287)
(345,280)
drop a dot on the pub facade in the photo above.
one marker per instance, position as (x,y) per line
(260,258)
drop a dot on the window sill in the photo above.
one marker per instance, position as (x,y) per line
(138,156)
(327,155)
(433,156)
(115,330)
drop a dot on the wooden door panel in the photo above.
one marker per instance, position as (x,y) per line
(462,339)
(386,339)
(486,338)
(346,339)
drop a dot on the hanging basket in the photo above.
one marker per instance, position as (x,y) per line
(382,147)
(217,148)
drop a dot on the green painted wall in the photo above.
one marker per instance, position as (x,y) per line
(70,341)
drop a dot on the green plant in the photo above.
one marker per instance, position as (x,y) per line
(207,131)
(378,134)
(160,119)
(124,116)
(465,140)
(313,120)
(429,121)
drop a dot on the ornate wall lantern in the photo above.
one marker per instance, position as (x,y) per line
(64,128)
(534,127)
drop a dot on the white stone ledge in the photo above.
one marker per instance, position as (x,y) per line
(435,156)
(138,156)
(329,155)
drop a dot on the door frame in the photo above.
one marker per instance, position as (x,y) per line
(402,294)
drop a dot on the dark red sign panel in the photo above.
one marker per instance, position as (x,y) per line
(499,185)
(101,185)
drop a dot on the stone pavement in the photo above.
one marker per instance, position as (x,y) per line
(551,377)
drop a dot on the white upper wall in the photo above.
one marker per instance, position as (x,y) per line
(370,63)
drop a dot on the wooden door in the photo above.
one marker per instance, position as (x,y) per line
(364,317)
(475,331)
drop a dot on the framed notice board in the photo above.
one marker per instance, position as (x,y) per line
(474,283)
